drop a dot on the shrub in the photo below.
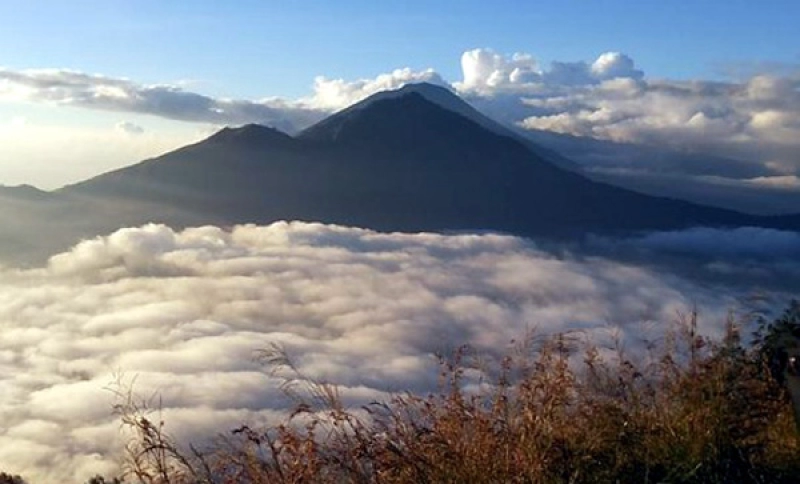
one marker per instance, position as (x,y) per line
(554,410)
(10,479)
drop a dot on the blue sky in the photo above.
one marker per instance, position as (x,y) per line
(88,86)
(257,48)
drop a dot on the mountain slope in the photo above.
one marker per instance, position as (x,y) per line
(445,98)
(396,161)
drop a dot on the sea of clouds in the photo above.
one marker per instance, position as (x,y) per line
(183,312)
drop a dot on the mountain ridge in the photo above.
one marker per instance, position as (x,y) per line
(411,165)
(400,161)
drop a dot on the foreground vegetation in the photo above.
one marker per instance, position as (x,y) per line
(556,409)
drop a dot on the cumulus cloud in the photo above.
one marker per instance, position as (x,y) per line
(333,94)
(484,68)
(486,71)
(753,120)
(365,310)
(612,65)
(707,115)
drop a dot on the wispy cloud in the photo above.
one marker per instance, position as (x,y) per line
(78,89)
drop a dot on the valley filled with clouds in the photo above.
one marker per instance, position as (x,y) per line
(183,312)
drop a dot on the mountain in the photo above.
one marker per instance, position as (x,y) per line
(445,98)
(23,192)
(414,159)
(36,223)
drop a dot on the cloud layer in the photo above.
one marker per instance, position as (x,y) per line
(751,258)
(185,311)
(739,120)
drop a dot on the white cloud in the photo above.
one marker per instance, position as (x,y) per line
(487,73)
(613,65)
(783,182)
(484,68)
(78,89)
(754,120)
(185,310)
(334,94)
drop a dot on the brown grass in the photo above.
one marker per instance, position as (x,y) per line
(554,410)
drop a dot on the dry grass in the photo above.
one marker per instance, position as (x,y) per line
(555,410)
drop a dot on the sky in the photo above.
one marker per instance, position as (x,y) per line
(265,48)
(307,59)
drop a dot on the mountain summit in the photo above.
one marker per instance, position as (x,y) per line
(418,158)
(253,135)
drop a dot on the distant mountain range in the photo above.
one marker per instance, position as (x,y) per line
(414,159)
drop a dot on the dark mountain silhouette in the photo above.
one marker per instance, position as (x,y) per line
(23,192)
(445,98)
(413,159)
(35,223)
